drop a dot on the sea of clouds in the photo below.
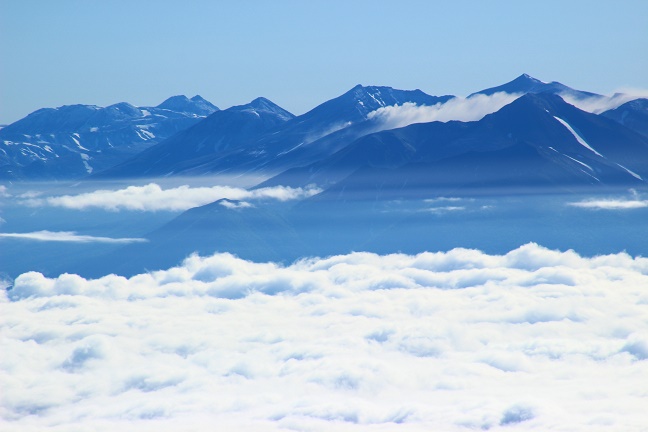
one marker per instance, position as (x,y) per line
(457,341)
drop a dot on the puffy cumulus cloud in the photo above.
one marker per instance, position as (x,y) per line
(458,108)
(68,237)
(152,197)
(599,104)
(531,340)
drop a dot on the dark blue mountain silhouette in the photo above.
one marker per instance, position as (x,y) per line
(537,141)
(633,115)
(527,84)
(226,146)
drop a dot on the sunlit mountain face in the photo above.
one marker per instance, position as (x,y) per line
(389,260)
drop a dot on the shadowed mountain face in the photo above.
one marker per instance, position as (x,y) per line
(263,138)
(236,128)
(538,141)
(76,140)
(633,115)
(225,225)
(509,178)
(190,137)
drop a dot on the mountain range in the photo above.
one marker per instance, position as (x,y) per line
(531,143)
(536,140)
(74,141)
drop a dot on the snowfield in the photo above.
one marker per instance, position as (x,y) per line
(457,341)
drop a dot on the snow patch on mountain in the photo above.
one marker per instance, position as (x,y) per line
(579,138)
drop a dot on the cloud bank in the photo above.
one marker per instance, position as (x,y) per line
(68,237)
(458,108)
(457,341)
(152,197)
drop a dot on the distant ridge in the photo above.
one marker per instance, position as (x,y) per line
(73,141)
(527,84)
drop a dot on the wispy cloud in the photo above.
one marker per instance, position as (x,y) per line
(599,104)
(152,197)
(611,204)
(443,209)
(235,205)
(463,109)
(625,203)
(457,340)
(68,236)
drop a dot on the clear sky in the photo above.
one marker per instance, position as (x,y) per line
(301,53)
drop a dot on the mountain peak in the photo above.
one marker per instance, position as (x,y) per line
(525,84)
(264,105)
(196,105)
(174,101)
(527,78)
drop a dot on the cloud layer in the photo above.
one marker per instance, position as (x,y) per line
(152,197)
(68,237)
(457,341)
(458,108)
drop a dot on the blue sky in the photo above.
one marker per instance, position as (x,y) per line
(301,53)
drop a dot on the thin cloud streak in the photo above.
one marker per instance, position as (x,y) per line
(610,204)
(68,237)
(152,197)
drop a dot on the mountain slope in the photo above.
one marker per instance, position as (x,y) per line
(633,115)
(538,140)
(299,141)
(220,133)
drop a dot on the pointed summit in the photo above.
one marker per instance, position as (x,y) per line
(262,105)
(354,105)
(525,84)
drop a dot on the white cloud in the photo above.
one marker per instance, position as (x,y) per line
(4,192)
(634,202)
(532,340)
(443,209)
(152,197)
(463,109)
(236,205)
(68,236)
(610,204)
(599,104)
